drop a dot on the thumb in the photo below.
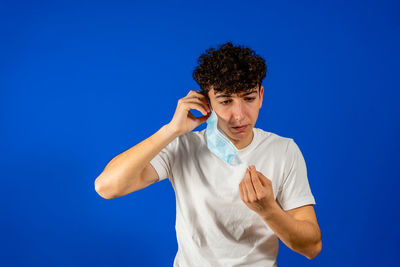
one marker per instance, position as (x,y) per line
(203,118)
(199,120)
(262,178)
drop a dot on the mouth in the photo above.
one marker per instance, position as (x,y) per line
(240,128)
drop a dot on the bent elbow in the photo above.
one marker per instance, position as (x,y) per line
(104,195)
(100,191)
(316,250)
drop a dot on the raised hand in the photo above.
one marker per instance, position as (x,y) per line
(256,191)
(183,120)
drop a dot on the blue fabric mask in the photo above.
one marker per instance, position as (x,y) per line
(219,144)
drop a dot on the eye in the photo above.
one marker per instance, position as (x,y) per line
(250,99)
(225,102)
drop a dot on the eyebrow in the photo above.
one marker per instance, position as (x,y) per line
(227,95)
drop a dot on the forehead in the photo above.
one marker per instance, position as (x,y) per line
(240,94)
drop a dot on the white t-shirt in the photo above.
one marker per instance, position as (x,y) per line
(214,227)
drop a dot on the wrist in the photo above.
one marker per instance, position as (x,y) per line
(271,210)
(169,131)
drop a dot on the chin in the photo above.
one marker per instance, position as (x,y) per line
(239,135)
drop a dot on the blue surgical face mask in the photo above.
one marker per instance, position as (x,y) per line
(219,144)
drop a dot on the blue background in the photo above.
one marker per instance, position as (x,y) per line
(81,82)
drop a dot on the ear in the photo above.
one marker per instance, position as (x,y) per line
(209,99)
(261,95)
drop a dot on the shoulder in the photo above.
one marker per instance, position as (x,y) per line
(282,147)
(189,141)
(273,140)
(192,137)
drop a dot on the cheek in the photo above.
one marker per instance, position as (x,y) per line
(222,121)
(254,115)
(222,115)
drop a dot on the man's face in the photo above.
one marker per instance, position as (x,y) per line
(237,110)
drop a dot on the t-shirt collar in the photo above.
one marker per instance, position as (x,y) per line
(250,146)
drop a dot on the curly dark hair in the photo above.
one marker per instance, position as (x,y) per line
(230,69)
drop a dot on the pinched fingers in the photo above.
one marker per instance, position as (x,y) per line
(198,95)
(253,186)
(195,93)
(194,103)
(257,182)
(251,192)
(198,100)
(264,180)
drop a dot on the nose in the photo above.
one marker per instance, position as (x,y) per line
(238,111)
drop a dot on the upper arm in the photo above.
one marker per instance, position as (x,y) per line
(148,176)
(294,189)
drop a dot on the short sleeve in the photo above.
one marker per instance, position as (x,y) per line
(295,190)
(163,161)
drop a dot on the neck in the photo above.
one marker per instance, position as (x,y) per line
(243,143)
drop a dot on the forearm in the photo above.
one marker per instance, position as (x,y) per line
(301,236)
(124,169)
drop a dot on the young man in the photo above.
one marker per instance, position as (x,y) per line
(227,214)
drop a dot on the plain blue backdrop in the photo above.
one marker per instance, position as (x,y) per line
(81,82)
